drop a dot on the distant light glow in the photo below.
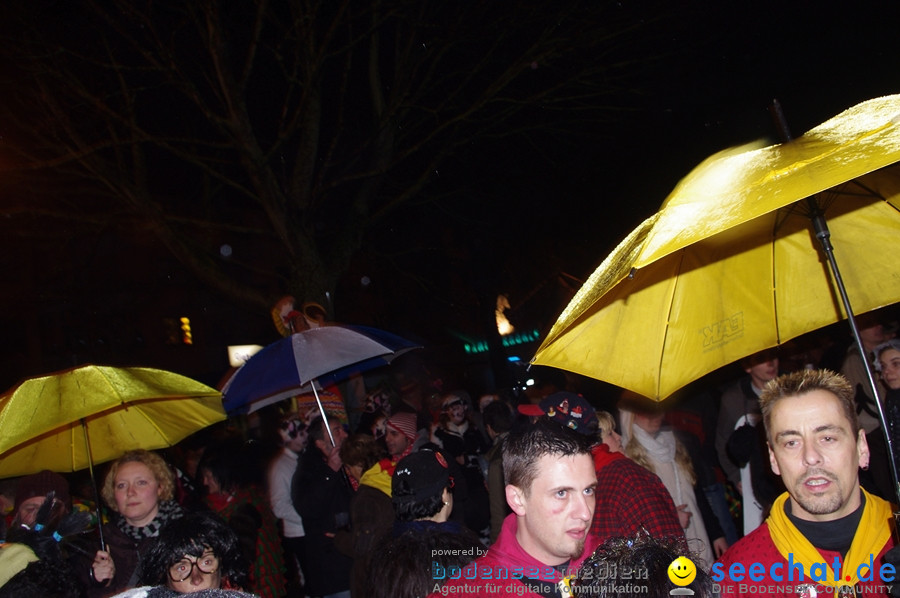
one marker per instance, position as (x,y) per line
(503,325)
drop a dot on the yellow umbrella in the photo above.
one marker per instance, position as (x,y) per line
(54,421)
(730,265)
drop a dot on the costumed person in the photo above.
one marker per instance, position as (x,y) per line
(198,553)
(463,442)
(639,567)
(31,492)
(292,435)
(288,319)
(38,560)
(825,520)
(139,489)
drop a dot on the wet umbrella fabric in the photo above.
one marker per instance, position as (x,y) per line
(730,265)
(76,418)
(290,366)
(44,420)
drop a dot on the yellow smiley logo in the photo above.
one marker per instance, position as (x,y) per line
(682,571)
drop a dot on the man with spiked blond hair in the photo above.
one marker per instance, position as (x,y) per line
(825,535)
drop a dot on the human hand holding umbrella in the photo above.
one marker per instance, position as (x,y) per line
(76,418)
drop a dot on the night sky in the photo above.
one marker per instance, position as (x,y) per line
(515,216)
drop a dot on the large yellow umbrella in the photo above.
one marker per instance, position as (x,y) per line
(730,265)
(73,419)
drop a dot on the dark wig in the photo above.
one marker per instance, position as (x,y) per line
(642,558)
(191,535)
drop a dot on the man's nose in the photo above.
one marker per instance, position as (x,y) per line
(811,454)
(585,507)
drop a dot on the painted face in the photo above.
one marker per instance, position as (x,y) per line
(613,440)
(817,455)
(457,413)
(555,515)
(396,441)
(890,367)
(298,442)
(192,574)
(378,428)
(137,493)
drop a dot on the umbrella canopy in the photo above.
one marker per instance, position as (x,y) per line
(290,366)
(43,420)
(730,264)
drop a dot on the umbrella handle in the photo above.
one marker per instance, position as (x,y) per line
(90,456)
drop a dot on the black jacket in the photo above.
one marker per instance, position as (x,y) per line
(322,498)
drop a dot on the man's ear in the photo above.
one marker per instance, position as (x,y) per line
(862,449)
(515,498)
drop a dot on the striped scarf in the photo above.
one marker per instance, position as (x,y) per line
(168,510)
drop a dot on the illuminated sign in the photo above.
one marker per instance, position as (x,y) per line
(510,340)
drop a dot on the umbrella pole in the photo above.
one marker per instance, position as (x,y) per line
(824,237)
(322,411)
(87,446)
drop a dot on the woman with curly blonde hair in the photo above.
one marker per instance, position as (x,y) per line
(651,445)
(139,489)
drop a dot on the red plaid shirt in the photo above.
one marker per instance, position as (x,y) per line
(630,499)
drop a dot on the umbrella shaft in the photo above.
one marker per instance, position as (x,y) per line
(90,460)
(824,236)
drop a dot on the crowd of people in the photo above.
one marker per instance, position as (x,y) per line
(538,494)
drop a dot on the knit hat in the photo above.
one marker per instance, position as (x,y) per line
(567,408)
(405,423)
(13,559)
(420,475)
(39,484)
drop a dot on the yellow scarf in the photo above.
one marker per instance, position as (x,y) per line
(872,534)
(377,477)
